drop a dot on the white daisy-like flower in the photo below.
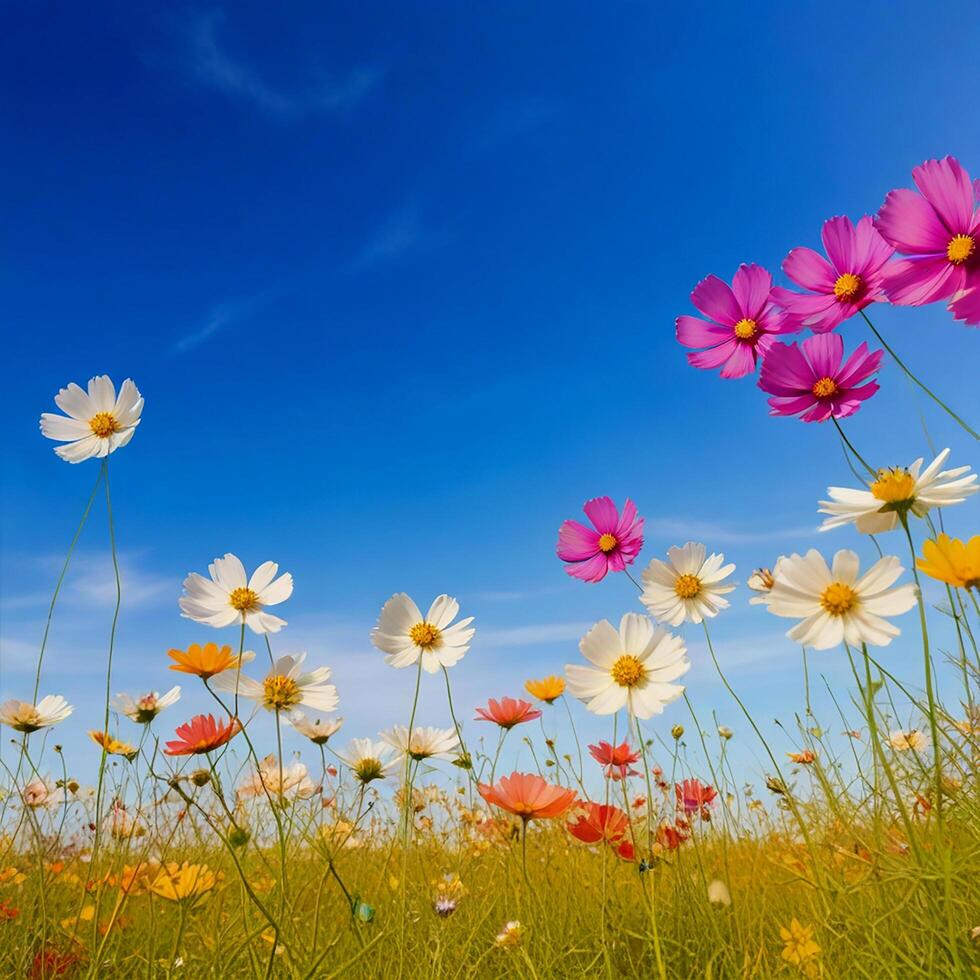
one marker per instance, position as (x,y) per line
(913,740)
(896,491)
(426,743)
(96,422)
(687,587)
(317,730)
(144,708)
(285,686)
(761,582)
(26,717)
(405,635)
(231,596)
(633,667)
(291,781)
(369,760)
(41,791)
(837,604)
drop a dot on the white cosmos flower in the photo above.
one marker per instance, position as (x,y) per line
(95,423)
(837,604)
(904,741)
(761,582)
(144,708)
(895,491)
(427,743)
(26,717)
(230,596)
(285,686)
(291,781)
(633,668)
(686,587)
(317,730)
(405,635)
(368,760)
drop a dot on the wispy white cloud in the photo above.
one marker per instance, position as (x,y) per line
(683,529)
(535,635)
(403,232)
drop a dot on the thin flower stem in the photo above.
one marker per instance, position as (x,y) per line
(847,442)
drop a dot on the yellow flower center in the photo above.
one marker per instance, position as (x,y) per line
(838,598)
(960,248)
(607,542)
(687,586)
(425,635)
(103,424)
(280,692)
(893,486)
(847,286)
(824,388)
(745,328)
(368,769)
(627,671)
(244,600)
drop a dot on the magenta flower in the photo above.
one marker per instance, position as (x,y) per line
(614,544)
(741,322)
(966,306)
(811,379)
(938,230)
(838,289)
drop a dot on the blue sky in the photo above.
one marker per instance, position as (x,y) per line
(398,284)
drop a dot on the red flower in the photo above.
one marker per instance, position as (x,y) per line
(670,838)
(202,734)
(693,795)
(50,962)
(507,712)
(599,822)
(615,759)
(8,912)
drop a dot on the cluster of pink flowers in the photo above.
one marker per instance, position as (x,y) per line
(923,246)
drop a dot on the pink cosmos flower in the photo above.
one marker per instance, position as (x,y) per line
(741,322)
(811,378)
(616,760)
(614,544)
(693,795)
(966,305)
(508,712)
(938,229)
(838,288)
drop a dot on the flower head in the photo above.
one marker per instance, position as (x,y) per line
(270,778)
(836,289)
(805,758)
(26,717)
(145,707)
(548,689)
(633,667)
(368,760)
(905,741)
(799,943)
(528,796)
(937,229)
(202,734)
(761,582)
(966,306)
(952,561)
(426,743)
(742,322)
(405,635)
(97,423)
(612,543)
(598,822)
(507,712)
(183,882)
(836,604)
(615,760)
(688,586)
(898,491)
(206,661)
(814,381)
(230,596)
(113,746)
(285,687)
(317,730)
(693,796)
(511,935)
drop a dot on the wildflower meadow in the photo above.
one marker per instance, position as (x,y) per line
(199,847)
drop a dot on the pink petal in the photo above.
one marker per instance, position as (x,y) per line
(907,221)
(741,363)
(785,371)
(860,365)
(716,301)
(926,279)
(593,570)
(824,352)
(946,186)
(603,514)
(966,306)
(790,406)
(840,242)
(693,332)
(576,542)
(708,359)
(872,250)
(625,525)
(810,270)
(751,286)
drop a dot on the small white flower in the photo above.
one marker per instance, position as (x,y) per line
(510,935)
(285,686)
(368,760)
(687,587)
(97,423)
(427,743)
(317,730)
(634,667)
(895,491)
(761,582)
(144,708)
(26,717)
(40,792)
(405,635)
(718,893)
(835,605)
(231,596)
(291,781)
(904,741)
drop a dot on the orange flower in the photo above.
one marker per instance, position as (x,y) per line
(599,822)
(951,560)
(202,734)
(804,758)
(507,712)
(206,661)
(528,796)
(113,746)
(548,689)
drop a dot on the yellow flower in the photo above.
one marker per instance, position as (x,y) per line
(177,882)
(799,943)
(206,661)
(953,561)
(113,746)
(12,874)
(548,689)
